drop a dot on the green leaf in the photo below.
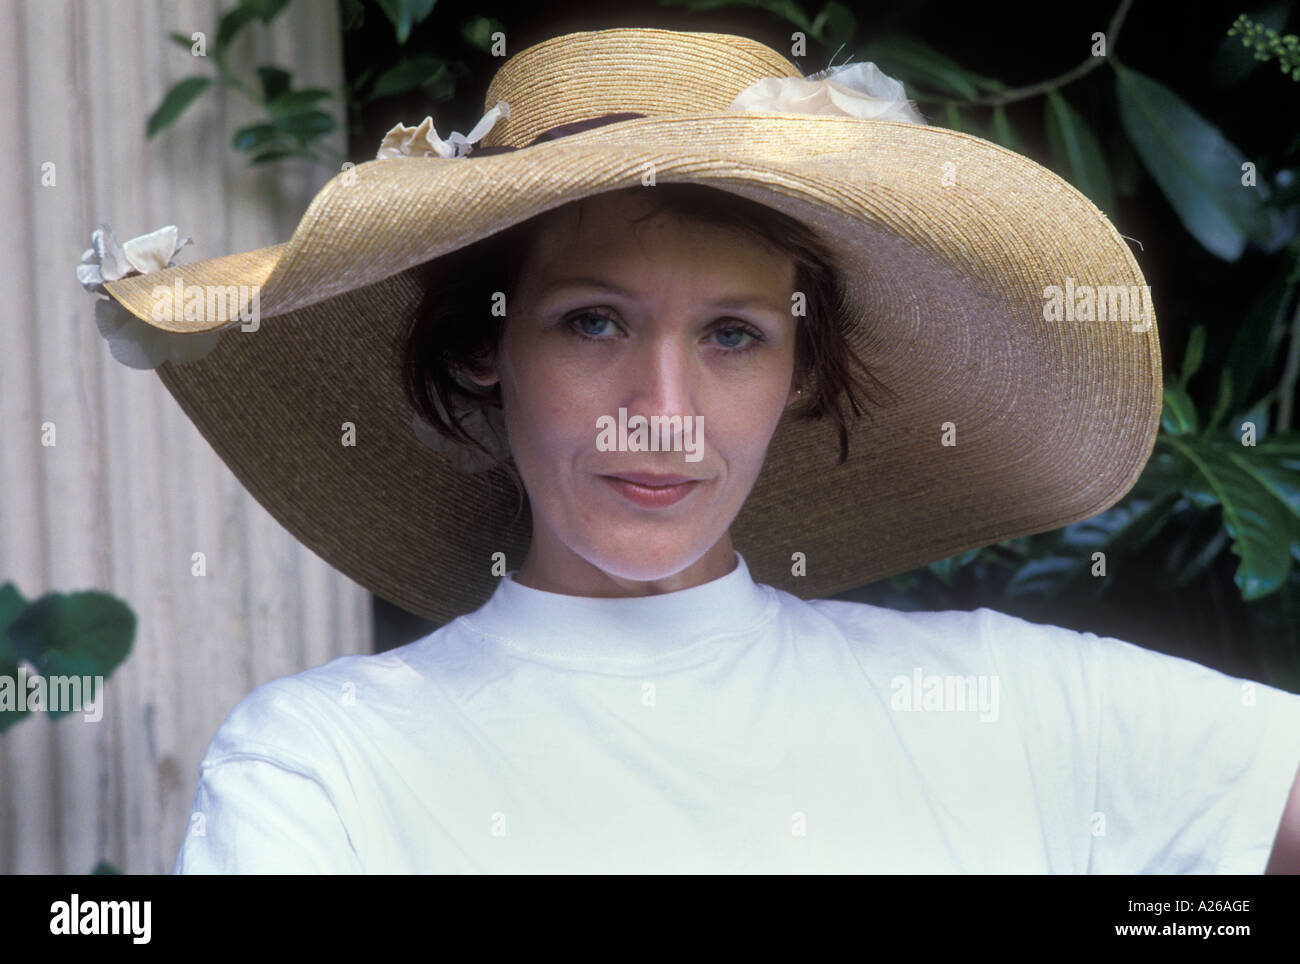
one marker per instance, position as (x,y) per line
(1044,576)
(1259,415)
(958,120)
(408,74)
(1286,188)
(183,40)
(1197,168)
(1119,530)
(835,24)
(1004,133)
(275,155)
(104,867)
(1275,464)
(232,22)
(920,64)
(274,82)
(903,582)
(478,31)
(296,101)
(1143,524)
(266,10)
(12,603)
(175,101)
(1257,522)
(1259,335)
(82,633)
(1165,471)
(254,136)
(1223,403)
(440,87)
(1125,168)
(1129,525)
(1195,353)
(305,125)
(1178,416)
(1233,60)
(786,9)
(1077,152)
(405,14)
(354,14)
(74,634)
(945,569)
(358,83)
(1195,550)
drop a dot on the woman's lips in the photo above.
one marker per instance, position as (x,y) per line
(652,491)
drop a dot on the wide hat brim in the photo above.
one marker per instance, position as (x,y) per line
(948,243)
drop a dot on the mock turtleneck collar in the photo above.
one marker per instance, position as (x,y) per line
(548,625)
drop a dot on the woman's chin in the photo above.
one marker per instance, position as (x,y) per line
(647,559)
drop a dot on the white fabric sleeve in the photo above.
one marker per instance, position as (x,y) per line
(253,815)
(1194,766)
(1181,769)
(268,798)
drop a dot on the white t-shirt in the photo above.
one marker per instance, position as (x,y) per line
(735,728)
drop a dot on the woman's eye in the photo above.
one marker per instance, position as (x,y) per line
(733,338)
(590,324)
(736,337)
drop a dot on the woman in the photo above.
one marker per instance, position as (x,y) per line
(563,372)
(629,698)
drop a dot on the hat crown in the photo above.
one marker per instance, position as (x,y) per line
(649,71)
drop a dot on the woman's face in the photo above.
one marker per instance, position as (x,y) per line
(660,318)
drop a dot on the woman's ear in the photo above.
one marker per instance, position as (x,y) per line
(795,395)
(484,379)
(481,371)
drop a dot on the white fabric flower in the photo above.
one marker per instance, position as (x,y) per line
(138,344)
(487,426)
(423,141)
(852,90)
(106,260)
(131,341)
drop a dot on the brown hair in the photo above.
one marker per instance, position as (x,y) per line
(455,330)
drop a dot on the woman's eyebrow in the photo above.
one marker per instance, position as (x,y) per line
(730,301)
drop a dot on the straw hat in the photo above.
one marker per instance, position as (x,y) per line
(987,291)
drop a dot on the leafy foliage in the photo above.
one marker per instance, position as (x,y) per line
(297,120)
(77,634)
(62,634)
(1268,44)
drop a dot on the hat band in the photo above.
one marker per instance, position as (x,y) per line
(555,133)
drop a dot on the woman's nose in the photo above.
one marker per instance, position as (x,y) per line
(660,377)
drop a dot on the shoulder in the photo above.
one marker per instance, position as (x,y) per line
(881,630)
(1051,660)
(280,720)
(1042,656)
(867,618)
(307,721)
